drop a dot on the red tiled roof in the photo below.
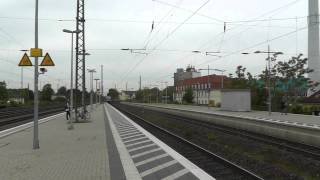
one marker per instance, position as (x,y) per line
(214,80)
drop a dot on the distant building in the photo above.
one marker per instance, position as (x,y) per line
(182,74)
(17,95)
(127,95)
(201,87)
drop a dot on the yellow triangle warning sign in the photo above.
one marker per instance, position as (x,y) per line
(25,61)
(47,61)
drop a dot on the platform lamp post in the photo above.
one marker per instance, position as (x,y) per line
(21,80)
(36,78)
(71,77)
(269,73)
(97,79)
(91,71)
(222,71)
(208,53)
(166,83)
(208,82)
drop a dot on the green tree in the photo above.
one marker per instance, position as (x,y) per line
(62,91)
(47,92)
(292,75)
(3,91)
(188,96)
(114,94)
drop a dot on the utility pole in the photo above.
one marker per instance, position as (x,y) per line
(91,71)
(208,83)
(269,76)
(80,55)
(140,83)
(313,43)
(71,77)
(101,88)
(96,87)
(36,76)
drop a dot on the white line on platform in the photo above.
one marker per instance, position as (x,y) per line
(176,175)
(129,168)
(22,127)
(151,159)
(141,147)
(132,136)
(134,139)
(141,142)
(146,152)
(158,168)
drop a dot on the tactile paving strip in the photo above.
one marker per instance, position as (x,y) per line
(151,157)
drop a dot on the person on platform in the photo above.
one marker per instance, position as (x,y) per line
(67,109)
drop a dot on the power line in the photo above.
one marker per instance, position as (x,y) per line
(170,34)
(158,29)
(190,11)
(258,44)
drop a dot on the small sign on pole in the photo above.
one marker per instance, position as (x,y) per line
(25,61)
(36,52)
(47,61)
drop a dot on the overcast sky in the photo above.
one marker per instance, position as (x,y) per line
(112,25)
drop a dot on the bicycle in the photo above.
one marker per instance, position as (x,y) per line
(85,115)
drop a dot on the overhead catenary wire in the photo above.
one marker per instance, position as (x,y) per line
(160,26)
(164,39)
(257,44)
(241,25)
(248,48)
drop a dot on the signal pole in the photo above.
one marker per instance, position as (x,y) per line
(91,71)
(36,76)
(101,88)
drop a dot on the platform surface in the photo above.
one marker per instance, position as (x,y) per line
(79,154)
(293,119)
(111,146)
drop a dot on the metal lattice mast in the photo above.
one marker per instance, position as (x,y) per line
(80,55)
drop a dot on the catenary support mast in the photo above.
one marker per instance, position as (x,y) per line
(80,56)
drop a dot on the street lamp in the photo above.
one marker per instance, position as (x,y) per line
(208,79)
(166,83)
(269,74)
(213,54)
(71,78)
(222,71)
(91,71)
(97,79)
(135,51)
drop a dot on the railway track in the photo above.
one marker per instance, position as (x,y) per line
(17,116)
(307,150)
(213,164)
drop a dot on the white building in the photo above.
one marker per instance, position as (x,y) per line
(205,89)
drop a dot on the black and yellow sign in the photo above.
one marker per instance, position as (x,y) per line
(25,61)
(36,52)
(47,61)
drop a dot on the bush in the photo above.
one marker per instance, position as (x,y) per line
(307,109)
(296,109)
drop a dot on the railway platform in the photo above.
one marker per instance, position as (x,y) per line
(110,146)
(78,154)
(275,117)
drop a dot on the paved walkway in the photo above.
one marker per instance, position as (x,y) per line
(298,119)
(79,154)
